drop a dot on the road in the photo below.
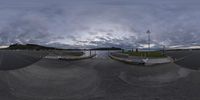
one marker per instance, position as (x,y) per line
(99,78)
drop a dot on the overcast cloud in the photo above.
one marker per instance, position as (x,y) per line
(102,23)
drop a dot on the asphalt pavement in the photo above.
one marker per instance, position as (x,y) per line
(187,59)
(98,78)
(10,60)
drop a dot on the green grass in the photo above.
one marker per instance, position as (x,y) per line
(155,54)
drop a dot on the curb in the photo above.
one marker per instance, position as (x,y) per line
(76,58)
(170,60)
(145,63)
(126,61)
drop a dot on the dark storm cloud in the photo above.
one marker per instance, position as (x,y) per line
(91,23)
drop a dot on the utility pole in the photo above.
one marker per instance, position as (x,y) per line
(149,40)
(90,52)
(163,49)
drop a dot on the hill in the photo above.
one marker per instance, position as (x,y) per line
(30,47)
(112,48)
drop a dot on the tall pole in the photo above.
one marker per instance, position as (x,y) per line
(163,49)
(149,40)
(90,52)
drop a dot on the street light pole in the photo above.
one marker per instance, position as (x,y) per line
(163,49)
(149,40)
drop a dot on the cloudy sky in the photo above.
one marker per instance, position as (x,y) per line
(100,23)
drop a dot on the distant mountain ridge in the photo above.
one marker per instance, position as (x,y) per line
(40,47)
(106,48)
(30,47)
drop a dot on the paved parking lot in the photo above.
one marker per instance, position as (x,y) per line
(18,59)
(187,59)
(99,78)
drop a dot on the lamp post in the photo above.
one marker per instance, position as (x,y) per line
(163,49)
(149,40)
(90,52)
